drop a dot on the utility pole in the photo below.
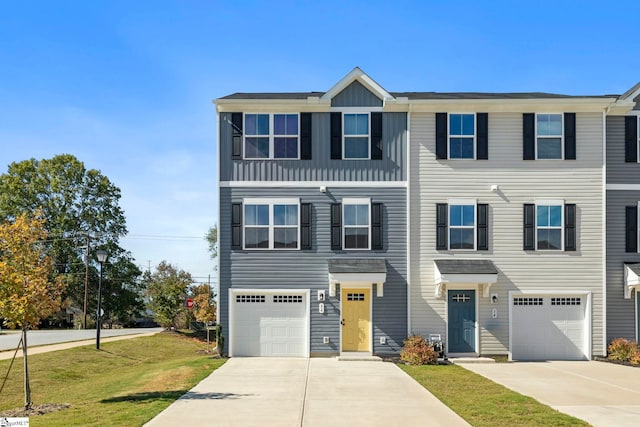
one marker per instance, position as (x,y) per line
(86,280)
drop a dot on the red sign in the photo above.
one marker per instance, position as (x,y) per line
(189,303)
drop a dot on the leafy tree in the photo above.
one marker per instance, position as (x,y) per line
(167,291)
(212,239)
(75,202)
(205,304)
(122,291)
(27,294)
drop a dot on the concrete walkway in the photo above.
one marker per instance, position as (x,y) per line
(603,394)
(307,392)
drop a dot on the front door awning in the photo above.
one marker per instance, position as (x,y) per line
(357,270)
(480,272)
(631,279)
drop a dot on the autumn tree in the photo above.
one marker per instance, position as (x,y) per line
(204,303)
(167,291)
(80,206)
(27,292)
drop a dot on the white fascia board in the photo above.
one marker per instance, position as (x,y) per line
(632,93)
(271,105)
(466,278)
(350,279)
(511,105)
(362,77)
(624,187)
(310,184)
(631,282)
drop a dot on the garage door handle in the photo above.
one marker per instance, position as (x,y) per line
(342,323)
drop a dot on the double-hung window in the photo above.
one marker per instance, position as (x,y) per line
(462,224)
(549,136)
(357,221)
(549,225)
(271,224)
(271,136)
(356,135)
(631,139)
(631,228)
(462,136)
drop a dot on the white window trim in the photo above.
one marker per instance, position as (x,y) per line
(463,202)
(449,136)
(368,136)
(269,202)
(356,201)
(550,136)
(271,136)
(550,202)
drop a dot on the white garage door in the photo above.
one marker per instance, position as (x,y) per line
(548,327)
(269,324)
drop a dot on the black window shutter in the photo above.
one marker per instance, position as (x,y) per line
(305,136)
(336,226)
(529,228)
(569,227)
(442,229)
(236,129)
(528,136)
(482,150)
(376,136)
(570,136)
(336,136)
(376,225)
(305,225)
(236,226)
(483,227)
(631,139)
(631,229)
(441,135)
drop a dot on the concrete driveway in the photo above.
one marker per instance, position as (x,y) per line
(603,394)
(307,392)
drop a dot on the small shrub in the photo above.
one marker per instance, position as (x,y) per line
(624,350)
(417,351)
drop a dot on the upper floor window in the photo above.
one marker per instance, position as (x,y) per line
(631,139)
(356,135)
(549,136)
(271,136)
(631,228)
(356,230)
(462,225)
(462,136)
(550,225)
(271,224)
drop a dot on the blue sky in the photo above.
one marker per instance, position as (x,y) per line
(126,86)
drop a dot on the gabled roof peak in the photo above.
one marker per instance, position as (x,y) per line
(364,79)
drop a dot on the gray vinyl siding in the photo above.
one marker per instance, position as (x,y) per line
(575,181)
(618,171)
(621,312)
(356,95)
(307,269)
(392,167)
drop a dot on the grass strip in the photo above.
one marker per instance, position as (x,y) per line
(481,402)
(126,383)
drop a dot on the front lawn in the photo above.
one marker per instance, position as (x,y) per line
(481,402)
(126,383)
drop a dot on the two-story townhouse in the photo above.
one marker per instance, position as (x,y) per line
(312,222)
(506,203)
(623,199)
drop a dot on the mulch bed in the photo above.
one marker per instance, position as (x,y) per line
(615,362)
(35,410)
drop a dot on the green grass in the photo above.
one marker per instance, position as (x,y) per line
(481,402)
(126,383)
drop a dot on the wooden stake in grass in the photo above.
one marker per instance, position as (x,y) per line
(27,295)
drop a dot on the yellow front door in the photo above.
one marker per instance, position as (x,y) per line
(356,319)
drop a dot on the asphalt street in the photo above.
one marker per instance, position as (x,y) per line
(9,339)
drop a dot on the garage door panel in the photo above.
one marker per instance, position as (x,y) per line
(548,327)
(270,324)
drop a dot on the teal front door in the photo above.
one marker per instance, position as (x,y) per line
(462,321)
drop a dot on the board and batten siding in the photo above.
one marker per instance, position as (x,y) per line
(308,269)
(621,312)
(575,181)
(356,95)
(321,167)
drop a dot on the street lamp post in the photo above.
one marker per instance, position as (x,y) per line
(102,258)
